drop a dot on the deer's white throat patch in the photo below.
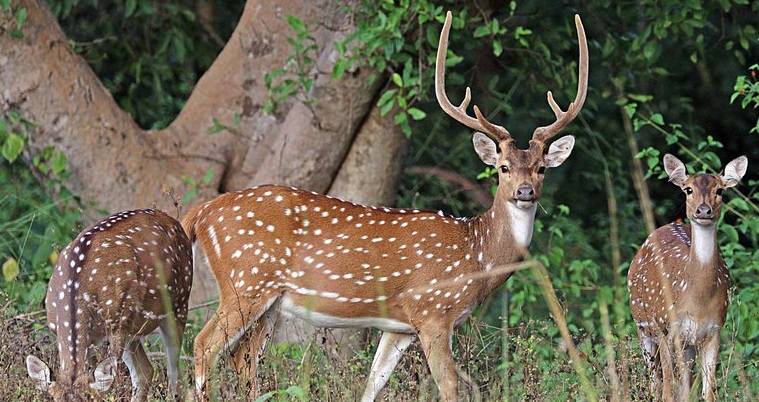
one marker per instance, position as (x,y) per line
(703,243)
(522,220)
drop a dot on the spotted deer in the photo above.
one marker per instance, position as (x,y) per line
(118,280)
(679,285)
(407,272)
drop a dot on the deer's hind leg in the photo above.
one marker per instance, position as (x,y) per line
(389,352)
(140,369)
(245,357)
(172,332)
(235,315)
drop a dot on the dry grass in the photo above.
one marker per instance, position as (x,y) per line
(538,369)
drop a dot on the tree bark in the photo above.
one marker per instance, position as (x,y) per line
(118,166)
(330,139)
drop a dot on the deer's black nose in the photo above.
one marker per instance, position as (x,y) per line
(704,212)
(525,192)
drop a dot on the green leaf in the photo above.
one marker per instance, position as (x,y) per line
(482,30)
(339,69)
(207,177)
(416,114)
(296,24)
(10,269)
(265,397)
(12,147)
(400,118)
(130,7)
(5,5)
(296,391)
(386,97)
(21,15)
(217,127)
(730,233)
(649,50)
(657,118)
(397,79)
(497,48)
(58,162)
(630,109)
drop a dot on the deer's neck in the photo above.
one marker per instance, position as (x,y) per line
(703,249)
(502,235)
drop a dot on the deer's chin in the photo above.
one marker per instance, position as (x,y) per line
(704,222)
(524,204)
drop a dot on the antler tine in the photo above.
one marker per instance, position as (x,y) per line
(500,132)
(563,118)
(459,113)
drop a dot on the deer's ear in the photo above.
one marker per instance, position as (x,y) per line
(38,371)
(105,372)
(675,170)
(485,148)
(734,171)
(559,151)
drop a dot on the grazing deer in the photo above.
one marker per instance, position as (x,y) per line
(119,279)
(679,284)
(337,264)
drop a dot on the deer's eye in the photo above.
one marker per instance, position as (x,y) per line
(688,190)
(542,170)
(504,169)
(720,191)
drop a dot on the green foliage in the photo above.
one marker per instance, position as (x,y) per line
(35,227)
(192,185)
(148,54)
(295,77)
(18,15)
(747,87)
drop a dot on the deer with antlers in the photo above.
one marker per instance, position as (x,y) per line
(679,285)
(119,279)
(407,272)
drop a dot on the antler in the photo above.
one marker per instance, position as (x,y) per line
(542,134)
(459,113)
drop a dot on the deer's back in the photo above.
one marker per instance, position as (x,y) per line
(113,274)
(333,255)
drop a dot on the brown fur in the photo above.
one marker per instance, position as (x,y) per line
(679,288)
(106,285)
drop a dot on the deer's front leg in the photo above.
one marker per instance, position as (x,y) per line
(650,348)
(666,359)
(436,343)
(709,358)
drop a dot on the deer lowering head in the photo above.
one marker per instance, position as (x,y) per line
(335,263)
(118,280)
(679,284)
(520,172)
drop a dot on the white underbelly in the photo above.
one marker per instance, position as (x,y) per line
(289,309)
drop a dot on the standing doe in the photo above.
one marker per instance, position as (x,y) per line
(119,279)
(679,285)
(409,273)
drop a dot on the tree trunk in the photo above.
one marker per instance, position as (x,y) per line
(330,139)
